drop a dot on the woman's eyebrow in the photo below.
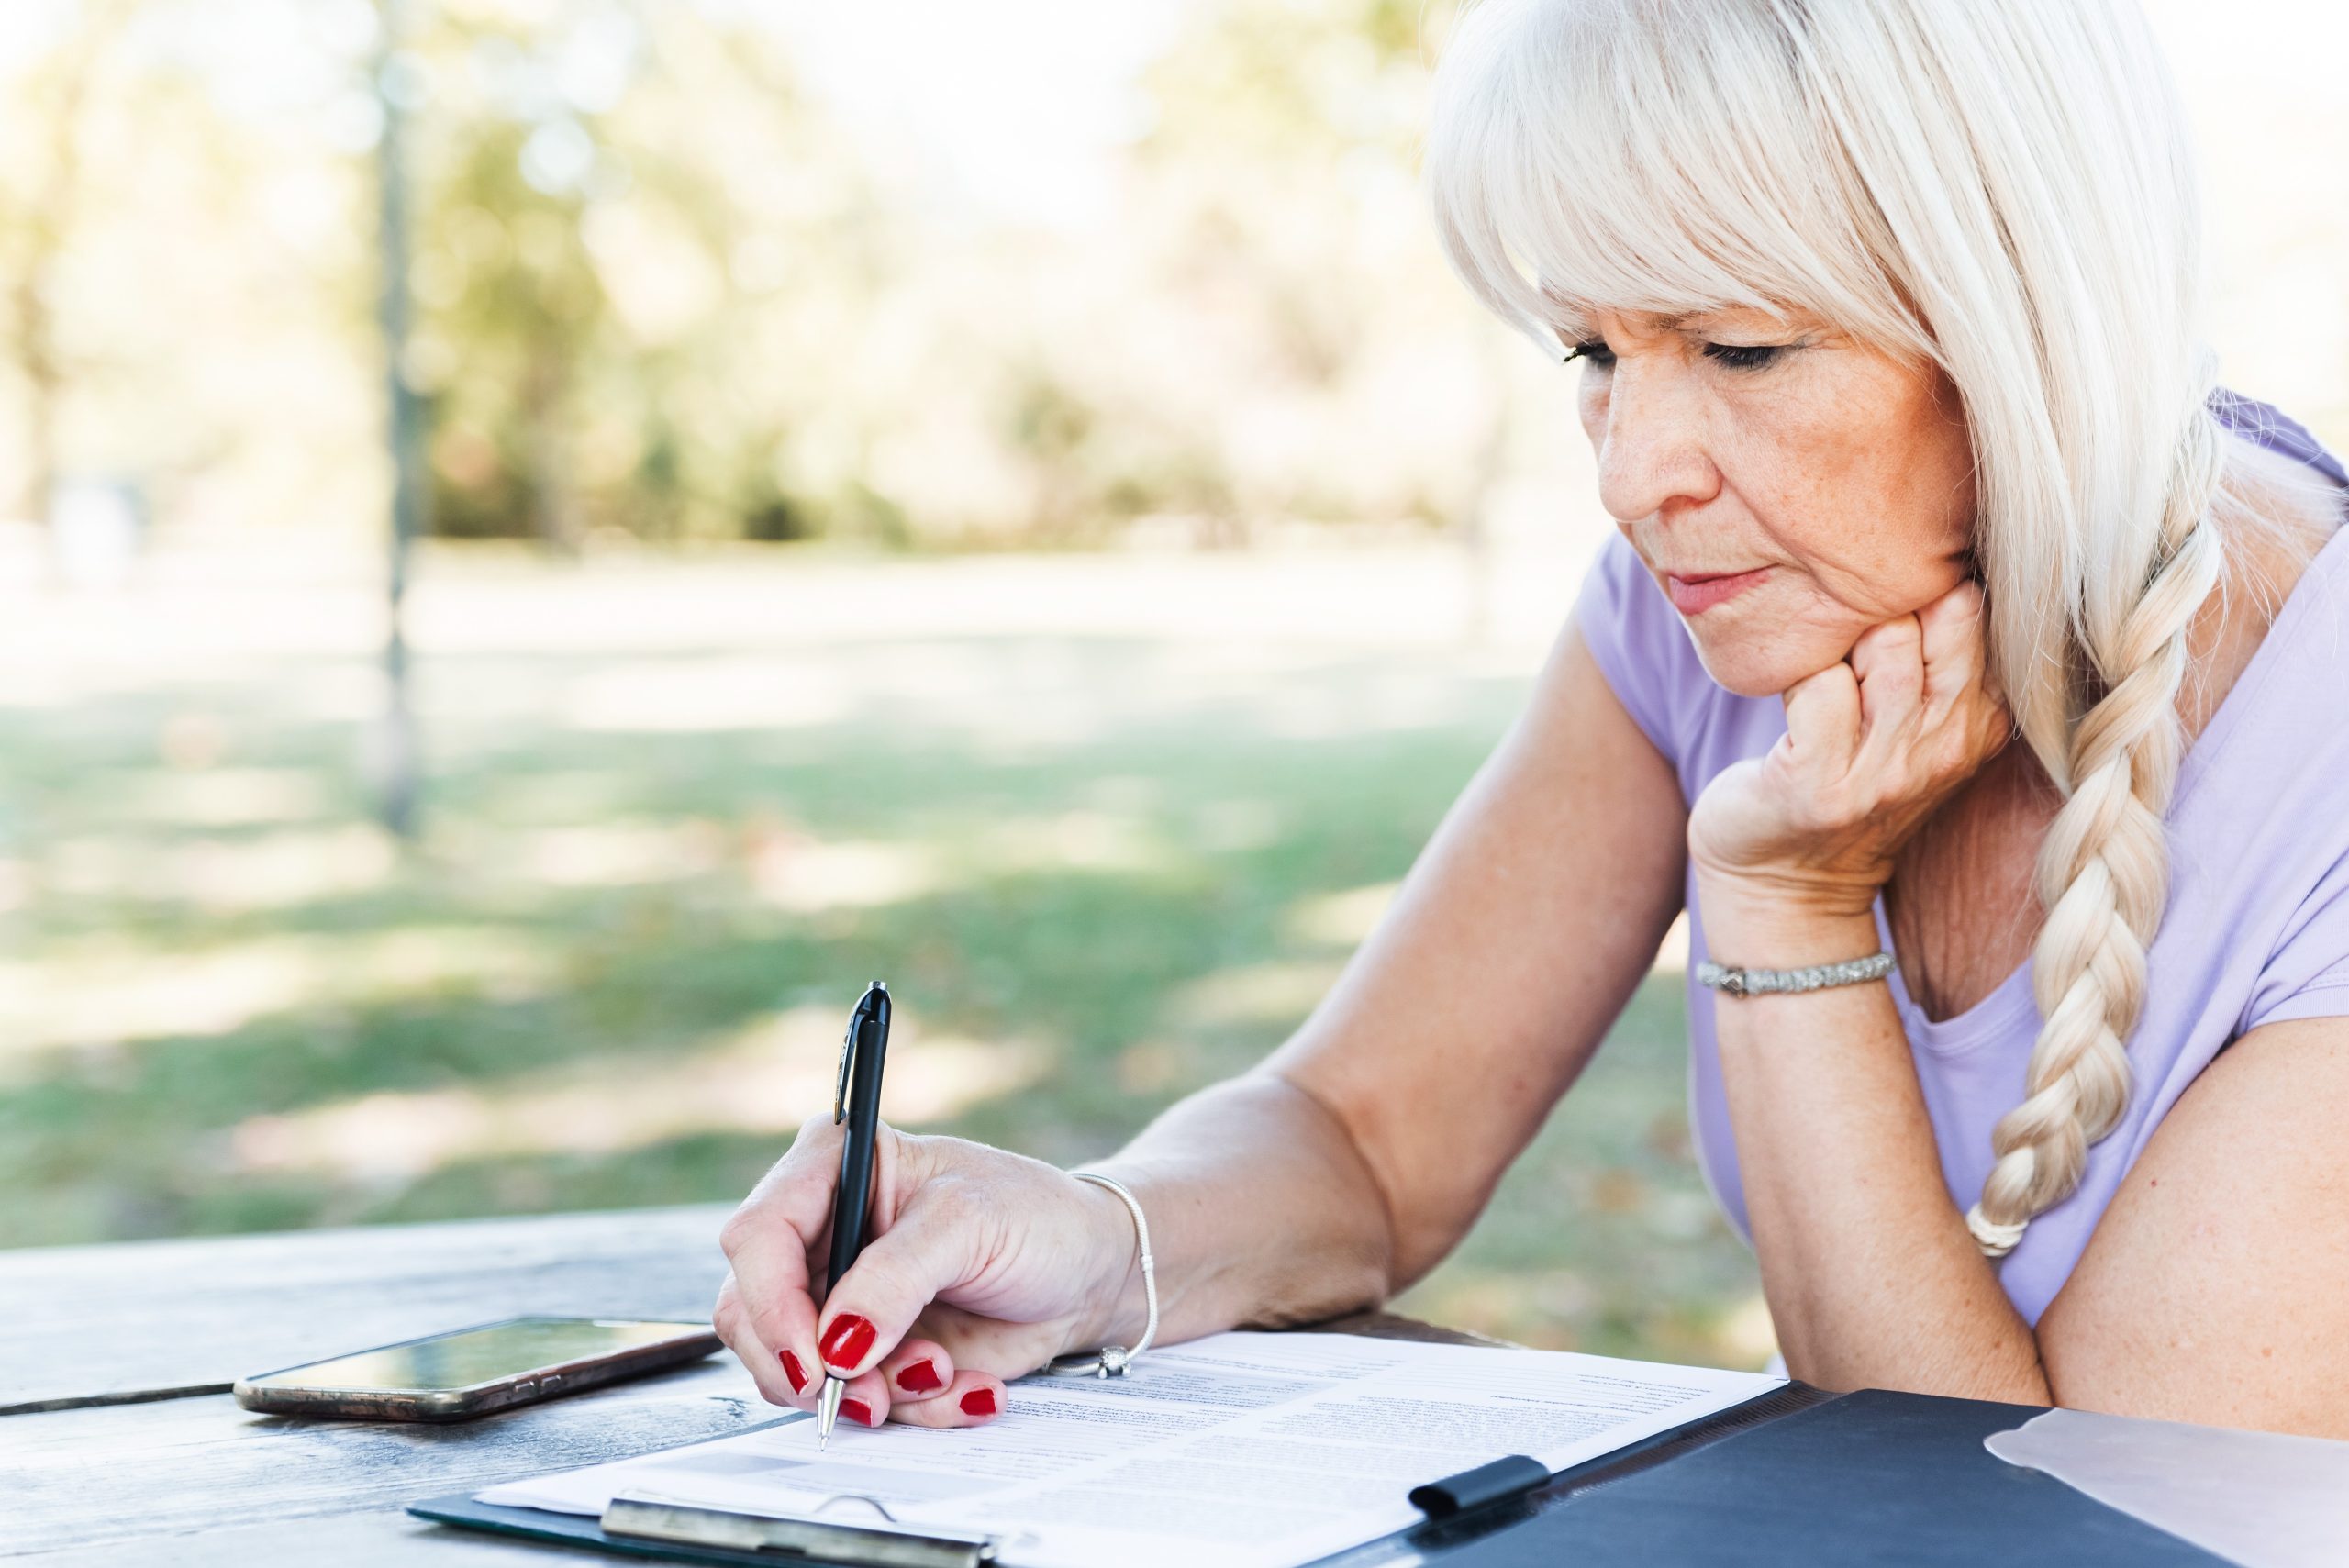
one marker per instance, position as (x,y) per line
(1719,318)
(1680,321)
(1677,322)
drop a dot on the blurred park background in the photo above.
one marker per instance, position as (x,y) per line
(1005,498)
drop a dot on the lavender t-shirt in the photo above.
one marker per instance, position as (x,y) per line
(2257,929)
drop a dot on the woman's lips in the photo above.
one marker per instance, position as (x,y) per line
(1702,590)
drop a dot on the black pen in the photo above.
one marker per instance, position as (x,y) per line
(856,1100)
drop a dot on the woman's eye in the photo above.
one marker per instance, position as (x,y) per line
(1598,353)
(1745,356)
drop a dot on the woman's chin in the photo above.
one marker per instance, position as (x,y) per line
(1761,666)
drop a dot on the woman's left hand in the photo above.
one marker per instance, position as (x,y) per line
(1873,745)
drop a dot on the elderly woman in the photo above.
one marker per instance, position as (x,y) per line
(1970,667)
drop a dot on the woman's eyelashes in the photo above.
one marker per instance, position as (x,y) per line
(1745,356)
(1735,356)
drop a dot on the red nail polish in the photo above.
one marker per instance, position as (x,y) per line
(857,1410)
(921,1378)
(794,1371)
(979,1402)
(845,1342)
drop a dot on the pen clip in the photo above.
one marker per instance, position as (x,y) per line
(873,1007)
(848,1060)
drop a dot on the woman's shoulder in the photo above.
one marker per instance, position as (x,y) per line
(2268,427)
(2284,613)
(2282,712)
(1642,648)
(2260,820)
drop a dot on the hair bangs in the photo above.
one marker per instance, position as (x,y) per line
(1643,156)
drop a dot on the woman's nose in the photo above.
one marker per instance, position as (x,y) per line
(1650,429)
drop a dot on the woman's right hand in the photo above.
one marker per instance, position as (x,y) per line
(978,1265)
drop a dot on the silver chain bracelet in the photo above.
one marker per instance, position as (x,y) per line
(1818,976)
(1113,1361)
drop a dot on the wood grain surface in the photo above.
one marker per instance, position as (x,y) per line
(150,1320)
(126,1475)
(123,1471)
(382,1538)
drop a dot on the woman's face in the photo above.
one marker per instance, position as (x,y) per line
(1788,487)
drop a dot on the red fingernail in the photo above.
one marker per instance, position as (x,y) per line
(845,1342)
(794,1371)
(979,1402)
(921,1377)
(857,1410)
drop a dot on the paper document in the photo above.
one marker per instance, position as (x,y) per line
(1248,1450)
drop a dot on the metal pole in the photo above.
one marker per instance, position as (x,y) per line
(397,753)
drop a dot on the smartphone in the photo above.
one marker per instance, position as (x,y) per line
(448,1377)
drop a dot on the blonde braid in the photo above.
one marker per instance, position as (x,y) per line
(2103,872)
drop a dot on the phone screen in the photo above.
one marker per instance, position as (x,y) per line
(479,1356)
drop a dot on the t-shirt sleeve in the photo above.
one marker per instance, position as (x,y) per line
(1639,644)
(2308,974)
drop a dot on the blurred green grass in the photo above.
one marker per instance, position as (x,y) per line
(514,1017)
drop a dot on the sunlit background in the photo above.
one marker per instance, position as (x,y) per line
(1005,498)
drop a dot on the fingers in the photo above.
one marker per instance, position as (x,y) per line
(768,1241)
(1924,692)
(865,1402)
(1874,745)
(1824,720)
(1953,646)
(1887,662)
(1884,714)
(917,1369)
(918,1372)
(1962,695)
(1009,1350)
(977,1267)
(973,1400)
(928,1249)
(732,1322)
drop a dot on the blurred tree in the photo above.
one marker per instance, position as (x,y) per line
(661,295)
(643,264)
(1263,331)
(38,215)
(1276,196)
(511,304)
(755,281)
(660,292)
(182,266)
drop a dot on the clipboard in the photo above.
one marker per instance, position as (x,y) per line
(862,1546)
(1461,1508)
(1793,1478)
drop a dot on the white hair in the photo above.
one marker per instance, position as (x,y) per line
(2004,189)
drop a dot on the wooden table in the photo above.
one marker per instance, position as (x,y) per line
(120,1444)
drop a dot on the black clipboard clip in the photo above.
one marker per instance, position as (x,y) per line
(888,1544)
(1512,1476)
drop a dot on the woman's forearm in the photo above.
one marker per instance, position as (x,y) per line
(1261,1212)
(1359,1154)
(1872,1279)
